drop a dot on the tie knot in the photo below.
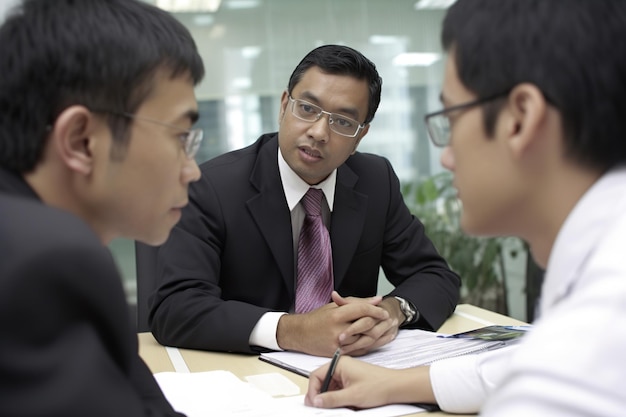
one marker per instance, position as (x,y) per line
(312,202)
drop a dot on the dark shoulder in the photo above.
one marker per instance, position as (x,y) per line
(246,155)
(363,163)
(27,222)
(38,241)
(58,254)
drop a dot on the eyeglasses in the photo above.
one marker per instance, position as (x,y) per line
(309,112)
(438,123)
(191,139)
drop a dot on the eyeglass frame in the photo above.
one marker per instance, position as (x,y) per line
(331,121)
(191,140)
(463,106)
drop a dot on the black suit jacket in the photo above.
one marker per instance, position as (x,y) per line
(66,344)
(230,259)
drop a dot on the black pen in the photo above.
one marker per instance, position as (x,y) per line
(331,370)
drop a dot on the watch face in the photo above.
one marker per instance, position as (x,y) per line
(406,308)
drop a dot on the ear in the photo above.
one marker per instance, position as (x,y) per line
(72,138)
(284,101)
(361,135)
(527,110)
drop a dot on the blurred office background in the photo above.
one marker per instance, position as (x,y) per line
(250,48)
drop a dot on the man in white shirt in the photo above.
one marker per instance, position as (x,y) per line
(534,128)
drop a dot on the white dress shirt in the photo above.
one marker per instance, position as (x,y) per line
(264,333)
(572,362)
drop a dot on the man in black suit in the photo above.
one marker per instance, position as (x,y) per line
(227,275)
(96,102)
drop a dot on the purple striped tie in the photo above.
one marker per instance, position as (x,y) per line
(315,262)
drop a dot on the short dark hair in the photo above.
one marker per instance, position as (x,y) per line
(103,54)
(342,60)
(574,51)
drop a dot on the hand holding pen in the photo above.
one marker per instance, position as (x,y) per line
(350,382)
(331,371)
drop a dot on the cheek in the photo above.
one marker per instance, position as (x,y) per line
(489,201)
(340,149)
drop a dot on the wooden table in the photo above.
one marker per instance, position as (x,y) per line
(466,317)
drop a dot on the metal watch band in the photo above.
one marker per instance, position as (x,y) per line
(408,310)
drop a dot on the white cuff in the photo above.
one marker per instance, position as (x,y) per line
(264,333)
(462,384)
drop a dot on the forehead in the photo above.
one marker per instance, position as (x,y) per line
(453,90)
(333,91)
(170,96)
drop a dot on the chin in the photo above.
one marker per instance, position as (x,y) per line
(154,240)
(472,228)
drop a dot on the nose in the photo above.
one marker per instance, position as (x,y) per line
(191,171)
(320,129)
(447,158)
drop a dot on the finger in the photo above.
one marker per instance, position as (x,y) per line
(363,325)
(368,342)
(339,300)
(333,399)
(315,384)
(354,311)
(367,326)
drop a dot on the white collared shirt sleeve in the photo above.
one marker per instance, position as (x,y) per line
(264,333)
(462,384)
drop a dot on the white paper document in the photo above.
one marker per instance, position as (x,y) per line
(221,393)
(410,348)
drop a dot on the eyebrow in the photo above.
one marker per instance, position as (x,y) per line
(351,111)
(191,115)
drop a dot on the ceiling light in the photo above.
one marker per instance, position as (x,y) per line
(386,40)
(250,52)
(242,4)
(203,19)
(416,59)
(209,6)
(433,4)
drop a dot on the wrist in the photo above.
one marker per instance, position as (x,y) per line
(288,332)
(412,386)
(409,314)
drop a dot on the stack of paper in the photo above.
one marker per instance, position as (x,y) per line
(221,393)
(410,348)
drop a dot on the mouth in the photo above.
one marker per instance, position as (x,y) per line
(310,153)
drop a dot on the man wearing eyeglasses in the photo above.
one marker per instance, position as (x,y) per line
(96,105)
(230,273)
(534,128)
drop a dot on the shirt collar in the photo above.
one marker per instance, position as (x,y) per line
(295,187)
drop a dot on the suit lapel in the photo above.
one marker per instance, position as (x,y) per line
(270,211)
(347,221)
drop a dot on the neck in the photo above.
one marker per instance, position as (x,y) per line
(555,198)
(58,188)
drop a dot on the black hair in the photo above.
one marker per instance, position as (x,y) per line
(103,54)
(342,60)
(574,51)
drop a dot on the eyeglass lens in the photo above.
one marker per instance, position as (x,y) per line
(439,129)
(311,113)
(192,142)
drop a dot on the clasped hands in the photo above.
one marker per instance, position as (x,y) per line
(356,325)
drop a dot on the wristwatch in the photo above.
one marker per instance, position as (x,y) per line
(408,309)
